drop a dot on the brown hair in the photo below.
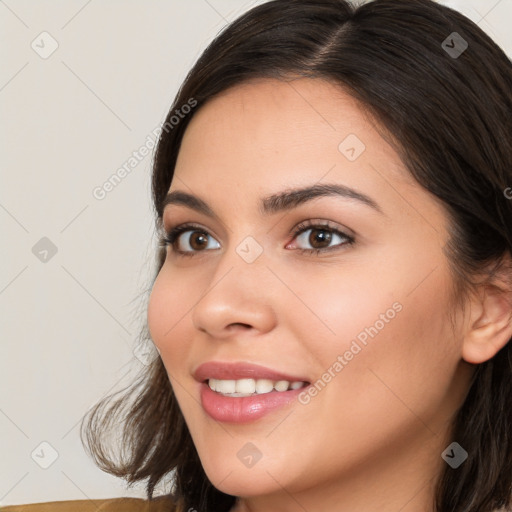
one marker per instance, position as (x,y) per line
(450,119)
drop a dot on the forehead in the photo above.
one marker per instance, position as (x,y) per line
(269,129)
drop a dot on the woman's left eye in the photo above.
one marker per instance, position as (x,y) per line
(321,237)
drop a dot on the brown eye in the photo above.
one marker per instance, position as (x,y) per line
(198,240)
(319,238)
(189,240)
(195,241)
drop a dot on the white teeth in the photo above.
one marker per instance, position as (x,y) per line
(281,385)
(245,386)
(264,386)
(249,387)
(225,386)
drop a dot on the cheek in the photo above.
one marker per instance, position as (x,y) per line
(381,339)
(156,313)
(166,314)
(405,368)
(332,308)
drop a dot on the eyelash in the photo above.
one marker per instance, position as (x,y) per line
(169,238)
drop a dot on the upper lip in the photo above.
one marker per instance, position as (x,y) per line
(234,371)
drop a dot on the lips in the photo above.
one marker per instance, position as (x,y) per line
(235,409)
(236,371)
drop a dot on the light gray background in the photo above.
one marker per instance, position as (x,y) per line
(69,325)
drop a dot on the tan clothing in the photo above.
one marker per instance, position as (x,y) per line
(109,505)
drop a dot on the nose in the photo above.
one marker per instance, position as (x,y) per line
(238,299)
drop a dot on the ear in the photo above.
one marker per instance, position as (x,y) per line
(490,324)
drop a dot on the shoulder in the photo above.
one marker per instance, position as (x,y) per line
(161,504)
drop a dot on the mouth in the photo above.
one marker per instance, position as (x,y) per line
(252,387)
(245,392)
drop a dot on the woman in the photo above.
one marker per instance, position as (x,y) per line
(333,302)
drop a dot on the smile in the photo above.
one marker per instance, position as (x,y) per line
(251,387)
(241,392)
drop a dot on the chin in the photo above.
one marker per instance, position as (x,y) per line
(240,469)
(243,481)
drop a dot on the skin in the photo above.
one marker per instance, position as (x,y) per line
(372,438)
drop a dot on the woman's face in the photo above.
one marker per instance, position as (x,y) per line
(365,324)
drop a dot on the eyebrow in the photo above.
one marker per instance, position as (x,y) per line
(275,203)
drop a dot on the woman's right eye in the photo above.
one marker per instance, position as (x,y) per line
(188,240)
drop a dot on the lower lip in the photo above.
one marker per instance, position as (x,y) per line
(244,409)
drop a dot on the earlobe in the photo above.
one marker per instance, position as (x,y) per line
(490,328)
